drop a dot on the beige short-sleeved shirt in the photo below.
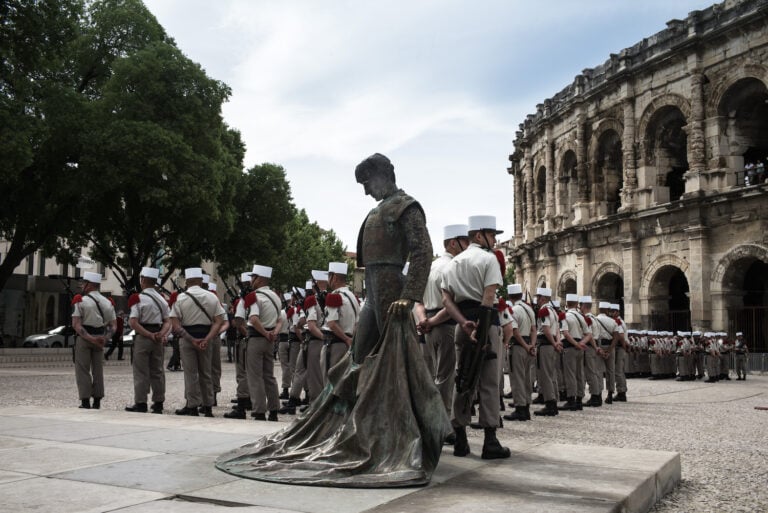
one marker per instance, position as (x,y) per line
(189,314)
(470,272)
(548,317)
(147,310)
(525,317)
(603,327)
(433,293)
(346,314)
(87,310)
(266,307)
(577,325)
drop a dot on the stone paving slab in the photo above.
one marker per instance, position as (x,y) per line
(144,462)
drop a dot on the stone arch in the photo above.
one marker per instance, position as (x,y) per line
(608,268)
(651,270)
(540,192)
(541,281)
(665,100)
(742,252)
(566,284)
(720,86)
(603,126)
(742,117)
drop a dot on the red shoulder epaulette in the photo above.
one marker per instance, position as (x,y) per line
(173,298)
(543,313)
(77,299)
(333,300)
(111,300)
(589,321)
(310,302)
(502,261)
(250,299)
(501,305)
(134,299)
(561,315)
(651,342)
(618,321)
(290,312)
(237,301)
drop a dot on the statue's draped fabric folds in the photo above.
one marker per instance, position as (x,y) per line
(377,424)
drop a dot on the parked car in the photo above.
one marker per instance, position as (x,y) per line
(53,338)
(128,337)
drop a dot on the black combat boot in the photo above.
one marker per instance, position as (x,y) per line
(527,412)
(157,407)
(138,407)
(549,410)
(492,449)
(272,416)
(502,407)
(450,439)
(238,411)
(621,397)
(518,414)
(609,399)
(207,411)
(579,404)
(594,401)
(189,411)
(563,396)
(258,416)
(461,445)
(85,403)
(539,399)
(284,394)
(96,403)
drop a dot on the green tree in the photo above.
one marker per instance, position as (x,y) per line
(308,246)
(40,115)
(263,210)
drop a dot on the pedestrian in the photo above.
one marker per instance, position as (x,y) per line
(741,350)
(548,350)
(149,318)
(196,316)
(94,321)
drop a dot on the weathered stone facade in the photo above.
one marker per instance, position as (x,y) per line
(628,183)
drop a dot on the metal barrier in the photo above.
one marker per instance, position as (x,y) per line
(757,363)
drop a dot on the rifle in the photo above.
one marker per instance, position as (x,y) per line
(319,294)
(473,355)
(232,294)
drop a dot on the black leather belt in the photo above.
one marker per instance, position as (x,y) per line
(154,328)
(93,330)
(471,310)
(331,338)
(197,330)
(253,333)
(282,337)
(543,341)
(605,342)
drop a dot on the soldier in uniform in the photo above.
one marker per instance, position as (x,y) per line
(549,347)
(435,322)
(284,344)
(713,357)
(741,350)
(577,335)
(622,350)
(94,321)
(196,316)
(263,311)
(149,319)
(242,399)
(522,353)
(341,313)
(725,356)
(605,330)
(593,374)
(469,293)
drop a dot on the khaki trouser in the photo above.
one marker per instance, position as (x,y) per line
(573,370)
(559,372)
(655,364)
(148,370)
(741,365)
(299,379)
(314,368)
(487,387)
(725,363)
(216,364)
(240,375)
(327,361)
(713,366)
(198,385)
(620,375)
(609,368)
(89,369)
(288,353)
(546,372)
(698,363)
(520,375)
(594,366)
(260,368)
(442,353)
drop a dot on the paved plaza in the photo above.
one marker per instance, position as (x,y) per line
(682,446)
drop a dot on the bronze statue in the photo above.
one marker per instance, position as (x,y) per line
(380,421)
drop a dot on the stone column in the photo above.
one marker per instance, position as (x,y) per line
(549,161)
(581,208)
(694,180)
(584,272)
(530,228)
(699,273)
(632,275)
(519,203)
(630,160)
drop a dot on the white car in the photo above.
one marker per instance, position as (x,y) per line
(54,338)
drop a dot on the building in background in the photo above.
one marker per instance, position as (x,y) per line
(642,182)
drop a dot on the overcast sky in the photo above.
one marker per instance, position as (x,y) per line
(438,86)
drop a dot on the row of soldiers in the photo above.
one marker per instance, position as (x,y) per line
(686,354)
